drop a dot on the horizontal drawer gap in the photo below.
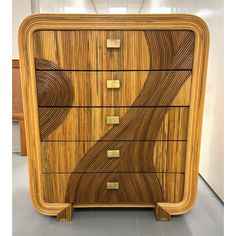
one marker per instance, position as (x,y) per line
(111,172)
(112,106)
(112,70)
(72,141)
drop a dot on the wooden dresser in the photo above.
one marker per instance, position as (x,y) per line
(113,109)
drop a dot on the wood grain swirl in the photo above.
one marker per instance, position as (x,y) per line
(176,48)
(151,123)
(136,123)
(53,88)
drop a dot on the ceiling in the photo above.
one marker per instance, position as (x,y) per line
(88,6)
(117,6)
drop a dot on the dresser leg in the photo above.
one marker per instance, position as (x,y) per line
(161,214)
(66,214)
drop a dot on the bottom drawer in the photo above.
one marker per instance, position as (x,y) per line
(113,187)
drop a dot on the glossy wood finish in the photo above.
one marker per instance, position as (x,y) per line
(166,156)
(134,188)
(189,53)
(131,83)
(87,50)
(90,124)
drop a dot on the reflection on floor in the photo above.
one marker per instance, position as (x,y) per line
(205,219)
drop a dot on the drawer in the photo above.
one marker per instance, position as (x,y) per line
(114,50)
(117,88)
(113,188)
(129,156)
(127,123)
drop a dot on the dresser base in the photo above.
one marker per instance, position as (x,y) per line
(161,214)
(67,213)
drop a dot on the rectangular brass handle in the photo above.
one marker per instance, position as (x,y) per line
(113,84)
(113,43)
(113,153)
(113,185)
(112,120)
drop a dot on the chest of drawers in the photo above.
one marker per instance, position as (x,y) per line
(113,109)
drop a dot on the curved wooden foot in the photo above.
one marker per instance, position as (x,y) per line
(161,214)
(66,214)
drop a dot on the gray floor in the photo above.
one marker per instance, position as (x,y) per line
(206,218)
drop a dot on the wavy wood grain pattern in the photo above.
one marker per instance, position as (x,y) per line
(133,188)
(135,124)
(168,156)
(174,49)
(163,92)
(51,89)
(87,50)
(97,93)
(143,125)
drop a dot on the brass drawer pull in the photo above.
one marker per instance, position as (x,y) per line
(113,185)
(112,120)
(113,84)
(113,43)
(113,153)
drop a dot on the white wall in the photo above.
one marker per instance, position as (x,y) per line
(20,9)
(212,156)
(63,6)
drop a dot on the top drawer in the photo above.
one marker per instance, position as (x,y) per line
(115,50)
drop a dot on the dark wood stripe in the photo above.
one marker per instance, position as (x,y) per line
(53,88)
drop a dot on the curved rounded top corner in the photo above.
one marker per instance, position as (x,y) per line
(28,24)
(199,25)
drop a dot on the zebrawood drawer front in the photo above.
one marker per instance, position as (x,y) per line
(114,50)
(80,124)
(120,88)
(129,156)
(127,188)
